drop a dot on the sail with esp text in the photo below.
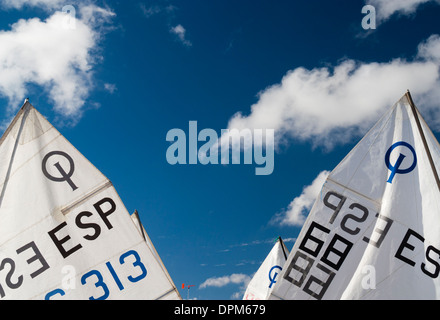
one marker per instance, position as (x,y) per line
(64,231)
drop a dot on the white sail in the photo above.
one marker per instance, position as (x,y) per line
(64,232)
(265,278)
(174,295)
(373,231)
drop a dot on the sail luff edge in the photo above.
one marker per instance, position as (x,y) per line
(422,134)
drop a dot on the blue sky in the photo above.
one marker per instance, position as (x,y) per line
(129,71)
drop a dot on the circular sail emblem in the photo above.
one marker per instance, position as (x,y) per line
(274,276)
(396,167)
(63,175)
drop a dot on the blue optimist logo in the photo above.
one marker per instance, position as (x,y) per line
(396,167)
(273,275)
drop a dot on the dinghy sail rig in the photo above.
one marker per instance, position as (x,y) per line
(170,295)
(374,232)
(267,275)
(64,231)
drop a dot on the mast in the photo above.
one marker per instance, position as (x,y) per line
(425,144)
(136,214)
(25,111)
(282,247)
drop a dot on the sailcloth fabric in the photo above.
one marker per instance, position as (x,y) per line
(174,295)
(64,231)
(265,278)
(373,232)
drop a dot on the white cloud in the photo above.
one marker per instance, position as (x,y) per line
(430,49)
(235,278)
(386,8)
(110,87)
(258,242)
(150,11)
(168,11)
(157,9)
(331,105)
(297,211)
(53,55)
(180,31)
(46,4)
